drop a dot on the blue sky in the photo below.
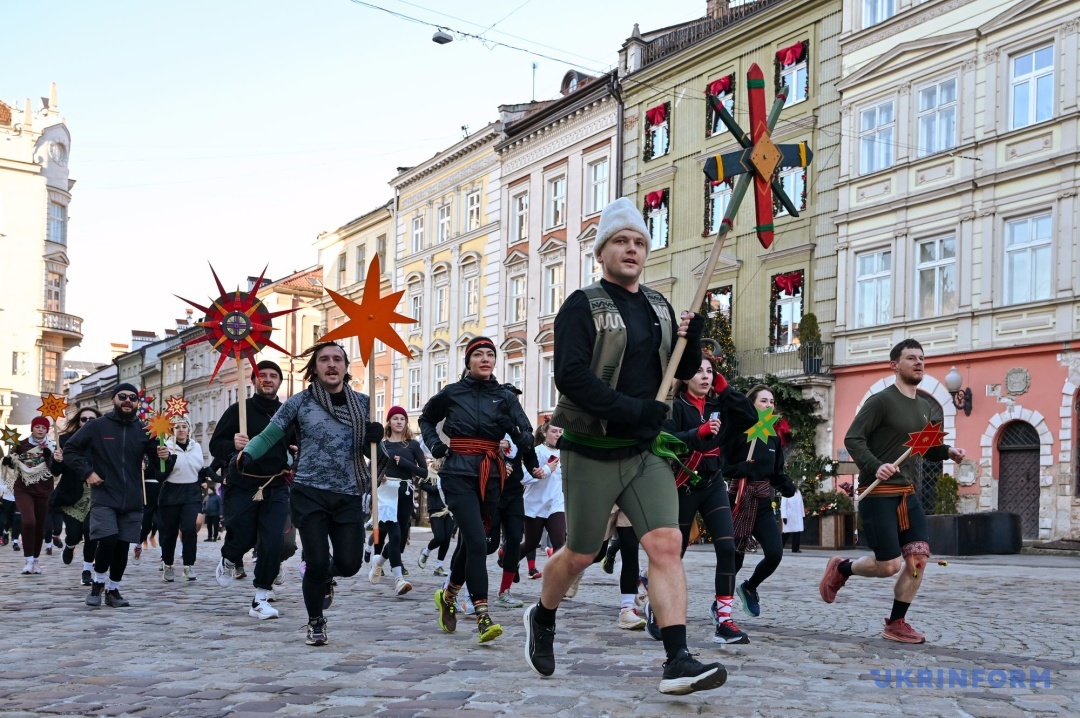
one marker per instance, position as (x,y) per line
(236,131)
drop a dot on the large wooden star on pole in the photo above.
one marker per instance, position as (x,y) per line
(10,437)
(372,318)
(53,407)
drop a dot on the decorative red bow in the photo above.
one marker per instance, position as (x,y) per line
(789,283)
(656,115)
(653,200)
(719,87)
(790,55)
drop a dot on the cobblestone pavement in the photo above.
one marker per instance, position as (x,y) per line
(190,649)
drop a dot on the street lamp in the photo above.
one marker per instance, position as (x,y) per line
(961,397)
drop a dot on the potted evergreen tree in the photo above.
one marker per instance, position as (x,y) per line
(810,343)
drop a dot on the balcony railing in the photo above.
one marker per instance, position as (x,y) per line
(791,361)
(60,322)
(676,40)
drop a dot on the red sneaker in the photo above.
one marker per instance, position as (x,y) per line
(833,580)
(901,632)
(534,573)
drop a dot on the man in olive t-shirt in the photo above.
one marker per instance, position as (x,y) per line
(892,517)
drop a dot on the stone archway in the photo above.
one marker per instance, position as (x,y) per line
(989,491)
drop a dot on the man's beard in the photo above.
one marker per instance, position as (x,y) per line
(126,413)
(266,393)
(911,380)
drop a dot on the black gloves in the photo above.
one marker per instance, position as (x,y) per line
(239,464)
(373,432)
(6,461)
(694,329)
(440,450)
(653,415)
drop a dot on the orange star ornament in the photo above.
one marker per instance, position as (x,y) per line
(926,438)
(159,426)
(372,318)
(53,407)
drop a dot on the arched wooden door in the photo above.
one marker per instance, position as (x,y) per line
(1018,483)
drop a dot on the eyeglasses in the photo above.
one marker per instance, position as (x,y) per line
(84,419)
(122,396)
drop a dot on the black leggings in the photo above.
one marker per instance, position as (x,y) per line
(389,544)
(534,531)
(149,522)
(767,533)
(326,518)
(469,562)
(404,515)
(625,542)
(711,501)
(442,529)
(75,531)
(507,528)
(179,519)
(111,556)
(10,520)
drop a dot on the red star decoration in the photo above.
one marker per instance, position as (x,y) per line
(371,319)
(926,438)
(236,324)
(53,407)
(176,406)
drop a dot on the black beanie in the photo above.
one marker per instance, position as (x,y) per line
(478,343)
(124,387)
(266,364)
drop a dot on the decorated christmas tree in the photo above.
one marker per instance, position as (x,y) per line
(718,328)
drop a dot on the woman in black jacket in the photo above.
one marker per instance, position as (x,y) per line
(476,413)
(705,411)
(72,497)
(750,490)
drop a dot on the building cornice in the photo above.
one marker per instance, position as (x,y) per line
(448,182)
(586,123)
(913,17)
(470,144)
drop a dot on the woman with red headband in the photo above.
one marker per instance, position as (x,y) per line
(476,413)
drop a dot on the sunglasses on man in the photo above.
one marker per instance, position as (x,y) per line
(122,396)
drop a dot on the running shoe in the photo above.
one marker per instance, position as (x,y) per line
(29,567)
(539,643)
(901,632)
(114,599)
(262,610)
(651,626)
(631,620)
(608,564)
(48,550)
(15,544)
(36,568)
(58,542)
(167,573)
(271,596)
(94,597)
(833,580)
(447,612)
(375,573)
(279,579)
(69,555)
(487,629)
(507,600)
(467,607)
(572,591)
(316,632)
(224,573)
(534,573)
(87,579)
(685,674)
(750,602)
(189,573)
(136,556)
(240,572)
(402,587)
(404,571)
(422,561)
(439,571)
(728,632)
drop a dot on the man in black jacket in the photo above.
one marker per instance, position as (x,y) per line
(249,520)
(108,454)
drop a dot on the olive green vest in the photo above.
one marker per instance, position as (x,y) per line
(608,353)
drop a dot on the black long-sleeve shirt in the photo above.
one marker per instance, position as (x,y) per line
(260,410)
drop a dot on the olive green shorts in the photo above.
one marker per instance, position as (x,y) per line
(641,485)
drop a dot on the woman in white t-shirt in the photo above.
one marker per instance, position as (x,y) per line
(544,508)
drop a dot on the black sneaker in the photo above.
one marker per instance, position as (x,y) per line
(651,626)
(749,598)
(94,597)
(69,555)
(728,632)
(447,611)
(15,544)
(114,599)
(539,644)
(316,632)
(328,597)
(404,571)
(87,579)
(685,674)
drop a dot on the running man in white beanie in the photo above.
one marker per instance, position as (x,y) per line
(613,340)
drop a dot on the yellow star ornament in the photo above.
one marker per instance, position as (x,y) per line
(159,426)
(372,318)
(53,407)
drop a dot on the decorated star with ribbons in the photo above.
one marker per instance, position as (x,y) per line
(926,438)
(237,324)
(760,156)
(372,318)
(765,426)
(10,437)
(53,407)
(176,406)
(159,426)
(146,406)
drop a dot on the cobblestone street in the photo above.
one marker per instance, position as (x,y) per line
(190,649)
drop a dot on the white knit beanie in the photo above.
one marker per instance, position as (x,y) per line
(617,216)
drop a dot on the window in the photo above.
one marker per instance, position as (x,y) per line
(414,389)
(519,231)
(1032,80)
(793,180)
(361,262)
(50,371)
(657,134)
(937,117)
(598,186)
(724,90)
(472,203)
(418,234)
(516,372)
(442,303)
(416,306)
(470,290)
(656,218)
(935,272)
(717,199)
(518,305)
(380,248)
(341,270)
(876,127)
(1027,259)
(380,346)
(590,269)
(549,395)
(553,287)
(57,223)
(380,404)
(719,300)
(443,223)
(440,375)
(556,202)
(875,11)
(873,288)
(792,71)
(787,308)
(54,287)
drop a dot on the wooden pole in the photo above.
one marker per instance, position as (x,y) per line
(737,195)
(374,452)
(873,486)
(241,395)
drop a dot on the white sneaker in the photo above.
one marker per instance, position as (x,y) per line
(37,568)
(572,591)
(375,573)
(167,573)
(507,600)
(29,567)
(631,620)
(136,555)
(262,610)
(422,561)
(271,596)
(224,574)
(467,607)
(402,587)
(189,573)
